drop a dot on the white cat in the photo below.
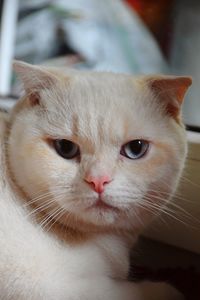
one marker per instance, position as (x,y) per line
(85,160)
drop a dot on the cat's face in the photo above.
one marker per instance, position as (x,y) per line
(97,148)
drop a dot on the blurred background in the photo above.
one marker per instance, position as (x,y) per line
(131,36)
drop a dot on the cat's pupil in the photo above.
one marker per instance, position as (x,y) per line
(66,148)
(135,149)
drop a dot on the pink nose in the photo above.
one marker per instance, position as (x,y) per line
(98,183)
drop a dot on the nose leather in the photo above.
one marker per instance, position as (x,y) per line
(98,183)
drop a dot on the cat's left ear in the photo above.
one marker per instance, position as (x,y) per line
(34,79)
(170,91)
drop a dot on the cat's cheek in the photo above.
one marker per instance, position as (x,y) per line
(41,166)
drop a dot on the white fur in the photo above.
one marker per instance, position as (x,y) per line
(107,110)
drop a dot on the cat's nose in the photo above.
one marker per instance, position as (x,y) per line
(98,183)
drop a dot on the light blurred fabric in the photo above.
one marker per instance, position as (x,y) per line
(106,33)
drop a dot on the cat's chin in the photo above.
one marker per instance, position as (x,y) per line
(96,217)
(100,214)
(98,220)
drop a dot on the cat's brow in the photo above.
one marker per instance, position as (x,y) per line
(75,125)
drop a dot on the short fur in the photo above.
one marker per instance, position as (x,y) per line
(53,245)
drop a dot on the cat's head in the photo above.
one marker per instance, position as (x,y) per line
(98,149)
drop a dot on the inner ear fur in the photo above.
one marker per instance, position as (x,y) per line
(34,98)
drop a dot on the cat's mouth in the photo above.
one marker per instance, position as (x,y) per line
(102,205)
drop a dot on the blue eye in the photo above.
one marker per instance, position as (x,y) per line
(135,149)
(66,149)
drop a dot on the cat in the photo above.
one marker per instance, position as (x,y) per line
(86,159)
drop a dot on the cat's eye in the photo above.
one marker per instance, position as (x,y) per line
(66,148)
(135,149)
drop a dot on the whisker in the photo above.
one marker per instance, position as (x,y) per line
(169,212)
(56,219)
(49,217)
(41,208)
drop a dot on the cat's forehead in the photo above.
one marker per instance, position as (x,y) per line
(102,89)
(102,94)
(104,105)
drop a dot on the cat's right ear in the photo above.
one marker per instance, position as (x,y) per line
(34,79)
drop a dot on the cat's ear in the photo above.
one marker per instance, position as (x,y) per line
(34,79)
(170,90)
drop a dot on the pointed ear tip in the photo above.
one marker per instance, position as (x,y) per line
(188,80)
(18,65)
(15,64)
(181,80)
